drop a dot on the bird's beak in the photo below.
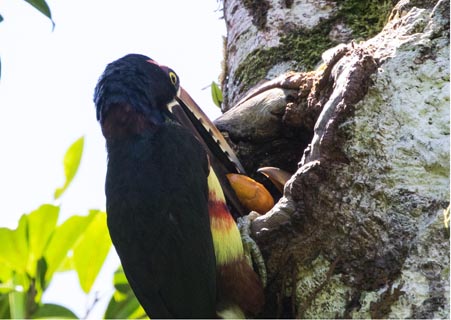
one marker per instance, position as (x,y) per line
(221,156)
(204,125)
(277,176)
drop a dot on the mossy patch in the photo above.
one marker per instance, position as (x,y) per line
(303,47)
(365,18)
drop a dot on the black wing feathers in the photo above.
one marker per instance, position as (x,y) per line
(158,219)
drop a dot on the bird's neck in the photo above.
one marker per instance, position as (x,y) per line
(124,121)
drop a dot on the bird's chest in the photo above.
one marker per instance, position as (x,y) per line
(132,184)
(153,179)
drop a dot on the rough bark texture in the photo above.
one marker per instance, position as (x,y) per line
(359,229)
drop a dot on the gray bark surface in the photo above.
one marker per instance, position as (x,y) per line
(359,231)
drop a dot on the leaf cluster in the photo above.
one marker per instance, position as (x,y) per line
(40,247)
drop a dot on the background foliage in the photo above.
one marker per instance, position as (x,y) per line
(40,247)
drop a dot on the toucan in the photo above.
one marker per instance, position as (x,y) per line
(166,191)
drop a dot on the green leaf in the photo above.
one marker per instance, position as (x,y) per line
(68,263)
(5,275)
(90,253)
(41,226)
(9,256)
(21,257)
(120,281)
(14,244)
(63,240)
(4,307)
(53,311)
(128,308)
(71,163)
(42,7)
(40,283)
(123,303)
(17,300)
(216,94)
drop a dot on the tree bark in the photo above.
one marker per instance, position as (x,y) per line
(358,231)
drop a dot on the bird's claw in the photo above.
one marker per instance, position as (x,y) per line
(251,249)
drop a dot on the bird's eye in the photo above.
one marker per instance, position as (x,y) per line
(173,77)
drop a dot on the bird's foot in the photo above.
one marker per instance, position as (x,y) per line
(251,249)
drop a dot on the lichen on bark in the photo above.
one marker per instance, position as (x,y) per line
(359,230)
(294,44)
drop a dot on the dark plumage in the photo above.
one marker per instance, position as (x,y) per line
(134,81)
(157,192)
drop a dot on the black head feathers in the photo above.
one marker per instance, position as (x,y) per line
(139,82)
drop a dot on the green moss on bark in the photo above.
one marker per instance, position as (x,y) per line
(303,47)
(365,18)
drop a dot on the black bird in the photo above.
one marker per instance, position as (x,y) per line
(179,246)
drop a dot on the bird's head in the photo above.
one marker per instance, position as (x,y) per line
(133,92)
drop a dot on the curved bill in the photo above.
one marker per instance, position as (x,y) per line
(277,176)
(208,126)
(222,157)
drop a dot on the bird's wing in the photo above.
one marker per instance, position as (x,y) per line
(165,241)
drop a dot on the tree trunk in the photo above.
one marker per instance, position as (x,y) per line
(359,231)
